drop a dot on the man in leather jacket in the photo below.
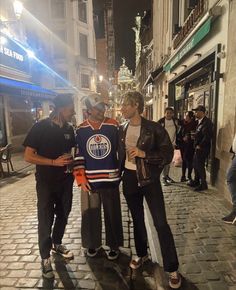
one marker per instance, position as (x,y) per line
(144,148)
(202,146)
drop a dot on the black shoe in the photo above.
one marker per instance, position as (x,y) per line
(170,180)
(47,270)
(92,253)
(201,187)
(165,182)
(113,254)
(183,179)
(63,251)
(193,183)
(230,218)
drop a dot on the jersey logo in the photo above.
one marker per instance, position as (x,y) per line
(98,146)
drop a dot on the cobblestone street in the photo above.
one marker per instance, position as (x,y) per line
(206,246)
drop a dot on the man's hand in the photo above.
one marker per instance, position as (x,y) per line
(136,152)
(62,160)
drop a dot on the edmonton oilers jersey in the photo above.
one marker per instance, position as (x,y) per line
(97,152)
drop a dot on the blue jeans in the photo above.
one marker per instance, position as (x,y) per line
(231,181)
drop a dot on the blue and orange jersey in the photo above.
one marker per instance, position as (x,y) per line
(97,152)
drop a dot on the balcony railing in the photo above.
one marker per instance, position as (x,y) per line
(191,21)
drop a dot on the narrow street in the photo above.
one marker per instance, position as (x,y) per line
(206,246)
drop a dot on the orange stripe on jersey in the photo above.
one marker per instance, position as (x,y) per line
(110,121)
(97,175)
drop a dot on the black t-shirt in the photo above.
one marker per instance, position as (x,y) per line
(50,141)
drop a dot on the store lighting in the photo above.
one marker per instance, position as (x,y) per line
(3,40)
(30,53)
(101,78)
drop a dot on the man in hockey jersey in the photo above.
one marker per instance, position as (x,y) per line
(96,171)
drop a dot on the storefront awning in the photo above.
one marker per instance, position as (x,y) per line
(15,87)
(153,75)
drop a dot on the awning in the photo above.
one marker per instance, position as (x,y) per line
(153,75)
(15,87)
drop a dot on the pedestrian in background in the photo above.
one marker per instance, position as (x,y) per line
(96,171)
(48,145)
(144,148)
(172,125)
(185,143)
(202,146)
(231,181)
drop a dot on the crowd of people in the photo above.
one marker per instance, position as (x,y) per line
(136,153)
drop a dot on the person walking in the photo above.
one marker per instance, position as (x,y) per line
(96,171)
(185,143)
(144,149)
(202,146)
(172,125)
(231,181)
(48,145)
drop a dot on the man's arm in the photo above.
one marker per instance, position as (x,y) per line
(31,156)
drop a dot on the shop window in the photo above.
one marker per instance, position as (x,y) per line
(62,80)
(83,44)
(58,8)
(85,81)
(82,11)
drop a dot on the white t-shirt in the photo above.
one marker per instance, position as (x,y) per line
(171,129)
(132,135)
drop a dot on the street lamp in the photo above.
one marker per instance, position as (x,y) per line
(100,78)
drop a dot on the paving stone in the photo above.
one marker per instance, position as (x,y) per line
(26,282)
(7,281)
(17,273)
(218,286)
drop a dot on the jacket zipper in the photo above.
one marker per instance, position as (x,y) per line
(143,168)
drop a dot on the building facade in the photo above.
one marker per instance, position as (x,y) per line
(193,48)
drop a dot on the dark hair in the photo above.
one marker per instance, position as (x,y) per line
(190,114)
(169,109)
(134,97)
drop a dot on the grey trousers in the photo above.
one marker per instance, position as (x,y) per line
(166,170)
(91,224)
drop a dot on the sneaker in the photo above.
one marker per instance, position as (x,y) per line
(136,262)
(92,253)
(193,183)
(63,251)
(230,218)
(47,270)
(174,280)
(165,182)
(183,179)
(170,180)
(113,254)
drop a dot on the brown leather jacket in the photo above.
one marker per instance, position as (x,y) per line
(155,141)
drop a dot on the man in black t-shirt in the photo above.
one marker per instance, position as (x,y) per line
(48,145)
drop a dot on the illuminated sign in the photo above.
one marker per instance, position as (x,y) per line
(12,55)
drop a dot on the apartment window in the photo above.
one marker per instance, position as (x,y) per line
(82,7)
(62,80)
(58,8)
(175,18)
(83,44)
(85,81)
(58,51)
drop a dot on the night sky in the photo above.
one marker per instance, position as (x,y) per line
(124,19)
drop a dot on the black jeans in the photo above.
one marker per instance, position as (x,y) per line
(154,196)
(53,199)
(199,160)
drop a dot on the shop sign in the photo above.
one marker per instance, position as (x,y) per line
(13,56)
(194,40)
